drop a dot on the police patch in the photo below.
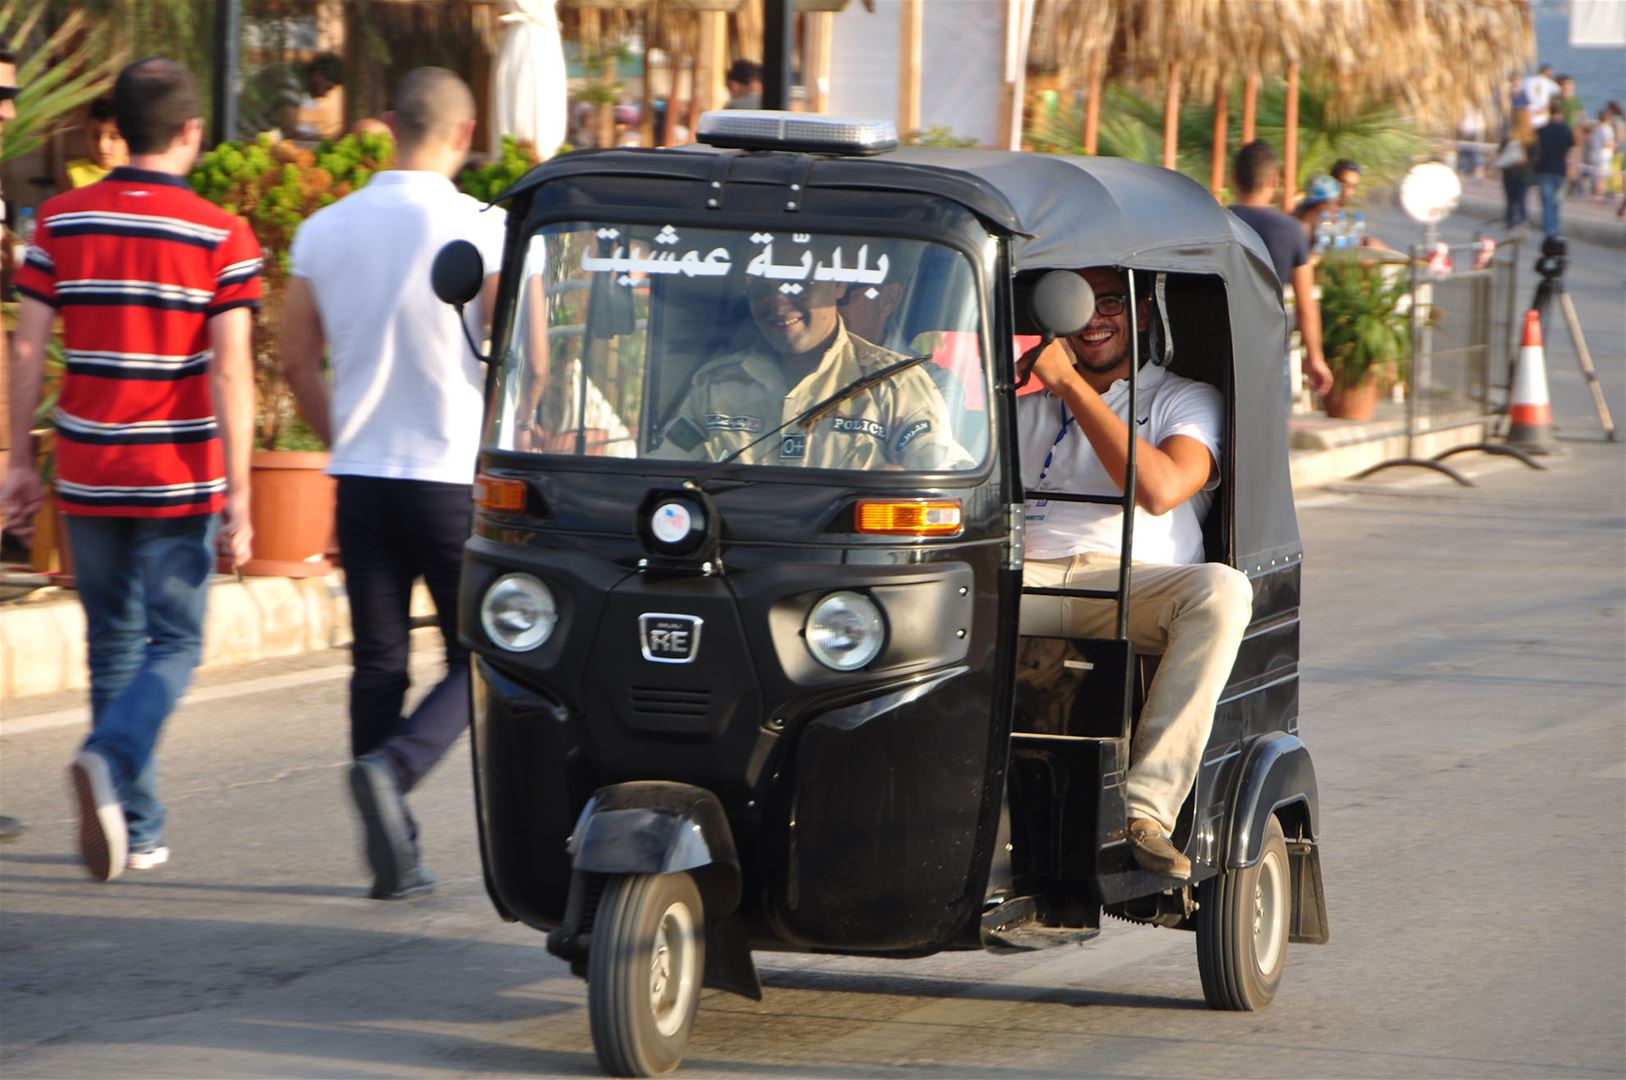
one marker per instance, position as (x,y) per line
(793,446)
(724,422)
(919,427)
(859,425)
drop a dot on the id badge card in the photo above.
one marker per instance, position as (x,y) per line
(1036,511)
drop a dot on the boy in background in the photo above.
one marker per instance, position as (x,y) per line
(104,146)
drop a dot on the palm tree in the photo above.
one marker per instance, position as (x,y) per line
(1378,135)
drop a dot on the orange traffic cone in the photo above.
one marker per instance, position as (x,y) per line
(1530,414)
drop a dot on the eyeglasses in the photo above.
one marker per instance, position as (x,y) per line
(7,93)
(1112,303)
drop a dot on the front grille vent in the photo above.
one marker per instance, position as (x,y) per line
(650,701)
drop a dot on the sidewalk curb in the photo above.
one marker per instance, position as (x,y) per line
(42,644)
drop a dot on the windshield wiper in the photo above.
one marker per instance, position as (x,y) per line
(815,412)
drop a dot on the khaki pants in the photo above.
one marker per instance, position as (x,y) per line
(1195,616)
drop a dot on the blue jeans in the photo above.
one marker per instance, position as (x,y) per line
(1552,194)
(143,583)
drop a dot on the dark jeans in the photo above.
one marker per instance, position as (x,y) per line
(390,533)
(1552,196)
(1515,183)
(143,583)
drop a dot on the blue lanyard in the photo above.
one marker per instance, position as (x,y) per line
(1050,458)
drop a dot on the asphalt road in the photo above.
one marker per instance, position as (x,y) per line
(1464,676)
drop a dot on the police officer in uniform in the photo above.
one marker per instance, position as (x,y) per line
(806,355)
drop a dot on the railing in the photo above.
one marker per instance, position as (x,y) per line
(1464,320)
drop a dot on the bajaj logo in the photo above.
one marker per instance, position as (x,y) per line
(669,639)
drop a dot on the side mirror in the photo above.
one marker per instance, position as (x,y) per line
(458,273)
(1062,303)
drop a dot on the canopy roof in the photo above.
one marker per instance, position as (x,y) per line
(1435,55)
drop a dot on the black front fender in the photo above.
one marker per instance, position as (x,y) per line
(657,827)
(1276,775)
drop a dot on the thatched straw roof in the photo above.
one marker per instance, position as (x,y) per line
(1435,55)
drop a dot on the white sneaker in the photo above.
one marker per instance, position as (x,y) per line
(102,835)
(147,860)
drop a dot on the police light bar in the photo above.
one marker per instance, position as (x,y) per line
(767,129)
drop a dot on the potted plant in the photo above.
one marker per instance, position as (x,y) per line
(275,186)
(1365,331)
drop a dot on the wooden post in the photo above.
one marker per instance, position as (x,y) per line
(1092,103)
(708,76)
(820,29)
(1290,140)
(1171,119)
(1221,120)
(606,111)
(646,110)
(1250,102)
(910,38)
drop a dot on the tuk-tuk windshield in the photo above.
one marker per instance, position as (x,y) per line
(687,343)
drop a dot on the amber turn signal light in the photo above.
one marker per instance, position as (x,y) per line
(912,517)
(499,494)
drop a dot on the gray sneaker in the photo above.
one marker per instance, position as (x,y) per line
(1153,852)
(102,837)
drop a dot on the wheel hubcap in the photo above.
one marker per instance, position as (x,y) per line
(672,975)
(1269,913)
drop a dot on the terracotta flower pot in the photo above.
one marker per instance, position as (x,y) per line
(292,512)
(1352,402)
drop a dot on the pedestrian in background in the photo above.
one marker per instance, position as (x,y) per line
(155,288)
(744,81)
(1256,175)
(1513,163)
(104,146)
(1554,142)
(403,422)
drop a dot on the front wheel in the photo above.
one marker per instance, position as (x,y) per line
(644,969)
(1242,926)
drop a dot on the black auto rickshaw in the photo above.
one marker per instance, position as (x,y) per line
(770,699)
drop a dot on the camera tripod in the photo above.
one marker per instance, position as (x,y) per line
(1550,265)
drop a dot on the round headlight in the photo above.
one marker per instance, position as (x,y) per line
(844,631)
(518,612)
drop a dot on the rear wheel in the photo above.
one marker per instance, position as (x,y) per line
(644,969)
(1242,927)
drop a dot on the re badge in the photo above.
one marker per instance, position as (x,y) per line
(669,639)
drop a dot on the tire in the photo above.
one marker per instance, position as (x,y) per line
(644,968)
(1242,925)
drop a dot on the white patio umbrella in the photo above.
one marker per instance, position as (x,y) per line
(530,100)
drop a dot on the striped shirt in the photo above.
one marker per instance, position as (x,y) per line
(137,265)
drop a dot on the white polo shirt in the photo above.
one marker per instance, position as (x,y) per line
(1168,405)
(408,393)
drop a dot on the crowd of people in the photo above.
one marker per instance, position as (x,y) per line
(1548,142)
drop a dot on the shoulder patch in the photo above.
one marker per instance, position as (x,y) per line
(910,433)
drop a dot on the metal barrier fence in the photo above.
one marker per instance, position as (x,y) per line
(1464,322)
(1463,325)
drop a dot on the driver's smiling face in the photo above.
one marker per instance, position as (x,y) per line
(1103,345)
(794,324)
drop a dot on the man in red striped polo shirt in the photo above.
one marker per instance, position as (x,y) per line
(155,288)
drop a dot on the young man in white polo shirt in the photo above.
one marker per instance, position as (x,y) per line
(1074,439)
(403,422)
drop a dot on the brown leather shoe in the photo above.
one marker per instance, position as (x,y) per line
(1153,851)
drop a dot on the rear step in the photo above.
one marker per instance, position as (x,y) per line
(1016,926)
